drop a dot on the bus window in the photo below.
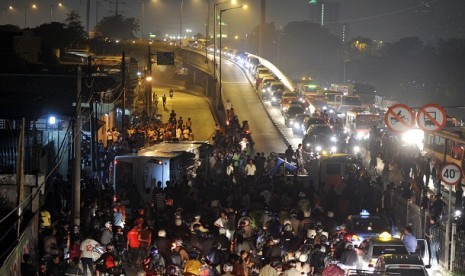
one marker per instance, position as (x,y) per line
(437,143)
(454,149)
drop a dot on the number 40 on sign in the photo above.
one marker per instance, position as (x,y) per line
(451,174)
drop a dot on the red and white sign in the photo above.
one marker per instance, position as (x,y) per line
(451,174)
(431,117)
(399,117)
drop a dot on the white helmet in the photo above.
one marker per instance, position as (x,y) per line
(303,258)
(162,233)
(108,224)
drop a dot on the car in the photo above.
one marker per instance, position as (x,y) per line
(276,97)
(297,125)
(291,113)
(286,102)
(274,86)
(364,226)
(371,249)
(262,72)
(311,120)
(401,263)
(319,139)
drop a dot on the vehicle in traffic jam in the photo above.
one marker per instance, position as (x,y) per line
(276,97)
(364,226)
(371,249)
(320,139)
(291,113)
(298,121)
(402,264)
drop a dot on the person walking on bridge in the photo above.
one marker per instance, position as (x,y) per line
(164,100)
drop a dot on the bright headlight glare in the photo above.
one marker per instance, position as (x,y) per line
(333,149)
(318,148)
(333,139)
(356,149)
(296,125)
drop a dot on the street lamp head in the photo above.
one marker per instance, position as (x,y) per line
(34,6)
(244,7)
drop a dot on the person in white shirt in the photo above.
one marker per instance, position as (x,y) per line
(87,246)
(250,170)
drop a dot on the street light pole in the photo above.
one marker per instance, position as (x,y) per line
(214,33)
(34,6)
(180,22)
(220,102)
(51,9)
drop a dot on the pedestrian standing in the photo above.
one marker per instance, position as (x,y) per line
(164,100)
(410,241)
(300,159)
(155,98)
(87,247)
(250,170)
(189,124)
(434,236)
(133,245)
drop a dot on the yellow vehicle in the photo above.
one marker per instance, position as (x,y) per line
(446,146)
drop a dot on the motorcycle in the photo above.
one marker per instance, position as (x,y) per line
(248,135)
(97,251)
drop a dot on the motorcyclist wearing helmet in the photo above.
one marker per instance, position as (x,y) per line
(288,239)
(106,261)
(107,234)
(154,263)
(349,256)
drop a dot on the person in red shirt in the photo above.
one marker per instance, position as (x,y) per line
(133,245)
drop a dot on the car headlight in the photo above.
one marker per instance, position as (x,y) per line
(356,149)
(263,90)
(296,125)
(333,149)
(318,148)
(333,139)
(273,99)
(308,145)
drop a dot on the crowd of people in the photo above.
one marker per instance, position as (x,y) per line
(246,216)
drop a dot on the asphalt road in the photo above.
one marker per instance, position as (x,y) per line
(248,106)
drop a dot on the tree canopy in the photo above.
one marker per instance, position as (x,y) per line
(118,27)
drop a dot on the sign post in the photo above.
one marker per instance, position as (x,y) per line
(399,118)
(451,174)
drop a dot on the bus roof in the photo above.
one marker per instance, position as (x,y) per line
(166,149)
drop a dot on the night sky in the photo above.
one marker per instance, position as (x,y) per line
(385,20)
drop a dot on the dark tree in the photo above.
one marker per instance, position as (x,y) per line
(118,27)
(75,29)
(9,28)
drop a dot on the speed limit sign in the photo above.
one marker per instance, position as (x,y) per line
(451,174)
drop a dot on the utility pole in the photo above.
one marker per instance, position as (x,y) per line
(148,84)
(262,27)
(123,85)
(20,178)
(88,17)
(77,156)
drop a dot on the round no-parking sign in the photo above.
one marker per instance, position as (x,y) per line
(399,118)
(451,174)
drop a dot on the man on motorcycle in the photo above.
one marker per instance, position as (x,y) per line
(106,261)
(154,264)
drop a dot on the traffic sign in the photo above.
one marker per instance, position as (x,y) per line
(431,117)
(165,58)
(451,174)
(399,117)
